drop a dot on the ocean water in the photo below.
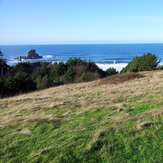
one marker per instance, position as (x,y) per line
(104,55)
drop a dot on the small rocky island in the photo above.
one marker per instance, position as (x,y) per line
(31,54)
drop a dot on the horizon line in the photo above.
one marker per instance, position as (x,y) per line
(79,44)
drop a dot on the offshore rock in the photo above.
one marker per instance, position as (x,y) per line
(31,54)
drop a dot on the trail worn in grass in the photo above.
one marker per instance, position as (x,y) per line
(97,121)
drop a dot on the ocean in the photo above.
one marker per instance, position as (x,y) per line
(104,55)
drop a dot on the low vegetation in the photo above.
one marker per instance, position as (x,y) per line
(27,77)
(120,78)
(147,62)
(98,121)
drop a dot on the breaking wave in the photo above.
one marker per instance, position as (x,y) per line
(48,56)
(118,66)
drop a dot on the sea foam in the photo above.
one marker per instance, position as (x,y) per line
(118,66)
(48,56)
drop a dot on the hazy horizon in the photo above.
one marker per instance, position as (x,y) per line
(78,44)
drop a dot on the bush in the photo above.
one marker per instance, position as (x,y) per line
(44,83)
(92,67)
(69,75)
(23,83)
(20,83)
(82,78)
(26,77)
(120,78)
(22,67)
(57,81)
(90,76)
(58,69)
(111,71)
(147,62)
(3,67)
(75,62)
(39,73)
(87,72)
(3,89)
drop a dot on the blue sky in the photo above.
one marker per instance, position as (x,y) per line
(81,21)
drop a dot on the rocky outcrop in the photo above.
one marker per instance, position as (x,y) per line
(31,54)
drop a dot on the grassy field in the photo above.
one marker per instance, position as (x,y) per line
(112,120)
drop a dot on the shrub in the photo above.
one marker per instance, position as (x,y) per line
(22,67)
(57,81)
(39,73)
(25,77)
(3,67)
(147,62)
(72,62)
(88,72)
(111,71)
(23,82)
(20,83)
(69,75)
(58,69)
(92,67)
(3,89)
(90,76)
(82,78)
(120,78)
(44,83)
(79,73)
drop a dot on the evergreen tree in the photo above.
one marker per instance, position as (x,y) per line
(3,65)
(147,62)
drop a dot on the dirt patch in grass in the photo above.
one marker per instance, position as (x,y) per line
(120,78)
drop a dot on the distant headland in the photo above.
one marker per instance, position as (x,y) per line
(31,54)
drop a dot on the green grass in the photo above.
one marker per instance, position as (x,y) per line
(138,108)
(81,140)
(92,95)
(102,128)
(128,99)
(68,143)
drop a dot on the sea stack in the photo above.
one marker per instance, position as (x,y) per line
(31,54)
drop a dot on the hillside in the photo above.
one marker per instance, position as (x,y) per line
(107,120)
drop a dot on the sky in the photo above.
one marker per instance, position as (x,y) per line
(80,21)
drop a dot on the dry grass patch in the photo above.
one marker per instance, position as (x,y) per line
(141,125)
(125,117)
(35,118)
(26,132)
(120,78)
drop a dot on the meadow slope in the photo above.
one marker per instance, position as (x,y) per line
(107,120)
